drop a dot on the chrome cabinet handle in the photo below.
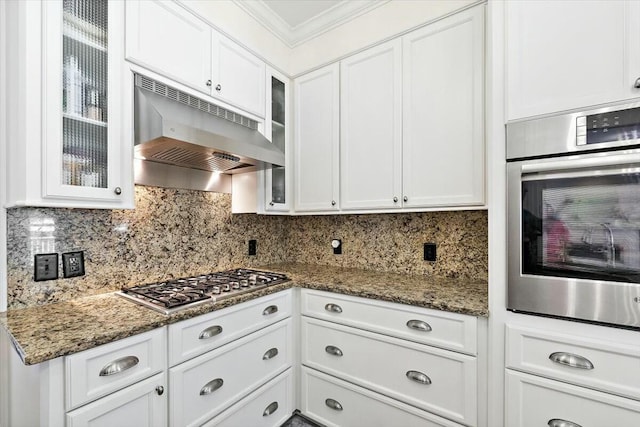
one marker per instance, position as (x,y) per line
(333,404)
(211,386)
(405,198)
(335,308)
(209,83)
(572,360)
(418,377)
(211,331)
(273,407)
(557,422)
(333,203)
(218,88)
(419,325)
(159,390)
(117,190)
(395,200)
(332,349)
(637,84)
(270,310)
(119,365)
(270,354)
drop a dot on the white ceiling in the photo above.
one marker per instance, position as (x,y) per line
(296,21)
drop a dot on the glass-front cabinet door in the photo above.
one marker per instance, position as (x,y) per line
(85,150)
(276,182)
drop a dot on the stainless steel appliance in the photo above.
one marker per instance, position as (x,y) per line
(573,213)
(181,139)
(179,294)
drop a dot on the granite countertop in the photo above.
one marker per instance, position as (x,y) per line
(45,332)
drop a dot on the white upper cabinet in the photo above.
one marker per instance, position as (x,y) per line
(164,37)
(563,55)
(443,110)
(371,128)
(69,131)
(168,39)
(238,76)
(316,118)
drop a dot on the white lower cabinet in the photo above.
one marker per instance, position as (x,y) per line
(142,404)
(391,361)
(269,406)
(583,376)
(334,402)
(533,401)
(203,387)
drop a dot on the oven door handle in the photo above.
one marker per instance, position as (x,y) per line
(590,162)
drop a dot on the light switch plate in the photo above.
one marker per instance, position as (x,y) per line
(45,267)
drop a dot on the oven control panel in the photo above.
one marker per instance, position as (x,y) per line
(612,126)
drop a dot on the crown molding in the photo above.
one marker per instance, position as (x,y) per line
(314,26)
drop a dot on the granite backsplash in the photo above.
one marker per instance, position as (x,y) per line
(177,233)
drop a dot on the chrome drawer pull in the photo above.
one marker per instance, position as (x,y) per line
(572,360)
(419,325)
(333,404)
(270,354)
(273,407)
(335,308)
(270,310)
(418,377)
(211,386)
(556,422)
(211,331)
(331,349)
(119,365)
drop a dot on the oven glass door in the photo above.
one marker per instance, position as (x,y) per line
(581,223)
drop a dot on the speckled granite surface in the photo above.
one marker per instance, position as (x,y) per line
(45,332)
(178,233)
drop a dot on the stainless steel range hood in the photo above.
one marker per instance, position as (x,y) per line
(175,128)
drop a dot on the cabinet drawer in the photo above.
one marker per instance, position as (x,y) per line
(534,401)
(138,405)
(102,370)
(438,328)
(439,381)
(196,336)
(269,406)
(603,365)
(359,406)
(206,385)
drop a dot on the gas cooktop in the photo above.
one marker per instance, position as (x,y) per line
(179,294)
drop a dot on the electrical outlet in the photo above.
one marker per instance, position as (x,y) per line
(253,247)
(73,264)
(45,267)
(429,251)
(336,244)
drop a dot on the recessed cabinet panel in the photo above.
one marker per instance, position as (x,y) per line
(534,401)
(371,128)
(317,135)
(166,38)
(570,54)
(443,127)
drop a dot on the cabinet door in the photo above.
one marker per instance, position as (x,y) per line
(443,105)
(238,75)
(277,125)
(570,54)
(87,146)
(139,405)
(533,401)
(316,139)
(371,128)
(166,38)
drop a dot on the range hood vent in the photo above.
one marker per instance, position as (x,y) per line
(175,128)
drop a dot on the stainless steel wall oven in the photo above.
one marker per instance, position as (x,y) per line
(573,215)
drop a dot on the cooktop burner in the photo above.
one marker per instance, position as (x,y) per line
(173,295)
